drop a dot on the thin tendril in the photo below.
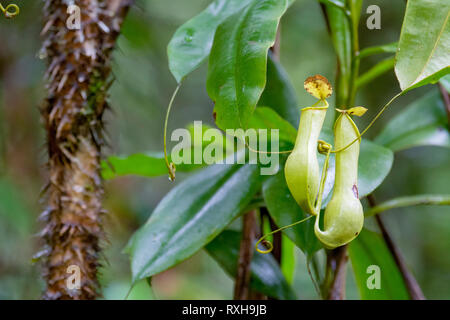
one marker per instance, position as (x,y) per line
(370,124)
(170,166)
(265,152)
(128,293)
(8,13)
(268,243)
(316,285)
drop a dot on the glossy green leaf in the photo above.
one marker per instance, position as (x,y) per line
(267,118)
(375,162)
(192,42)
(374,72)
(424,46)
(284,211)
(288,259)
(385,48)
(190,216)
(369,249)
(238,61)
(279,93)
(140,164)
(266,276)
(424,122)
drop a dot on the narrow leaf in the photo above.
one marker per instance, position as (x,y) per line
(374,72)
(140,164)
(385,48)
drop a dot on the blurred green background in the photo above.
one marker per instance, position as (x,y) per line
(139,98)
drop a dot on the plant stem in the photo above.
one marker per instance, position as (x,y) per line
(333,287)
(355,9)
(337,266)
(242,284)
(425,199)
(411,284)
(78,77)
(277,237)
(446,98)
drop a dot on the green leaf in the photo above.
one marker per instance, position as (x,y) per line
(288,259)
(279,93)
(369,249)
(238,61)
(151,164)
(267,118)
(424,46)
(375,162)
(385,48)
(266,275)
(190,216)
(191,43)
(284,211)
(376,71)
(423,122)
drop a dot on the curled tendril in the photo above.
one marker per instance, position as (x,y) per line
(11,10)
(268,243)
(323,147)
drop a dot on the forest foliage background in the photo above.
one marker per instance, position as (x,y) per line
(139,98)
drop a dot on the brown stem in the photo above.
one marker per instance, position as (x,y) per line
(411,284)
(242,284)
(78,77)
(446,97)
(337,266)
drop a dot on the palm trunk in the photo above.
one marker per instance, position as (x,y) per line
(78,76)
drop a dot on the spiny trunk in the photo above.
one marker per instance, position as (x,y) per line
(78,76)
